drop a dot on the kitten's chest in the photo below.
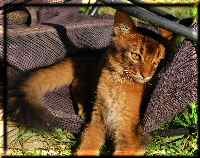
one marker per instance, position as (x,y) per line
(119,99)
(121,102)
(122,96)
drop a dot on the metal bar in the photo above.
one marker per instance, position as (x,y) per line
(156,10)
(153,18)
(175,132)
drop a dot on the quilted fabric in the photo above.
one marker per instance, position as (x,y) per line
(176,88)
(33,48)
(62,115)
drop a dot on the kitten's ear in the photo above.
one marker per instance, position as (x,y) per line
(123,23)
(166,34)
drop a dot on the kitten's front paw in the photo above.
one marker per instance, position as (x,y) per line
(87,153)
(81,111)
(130,152)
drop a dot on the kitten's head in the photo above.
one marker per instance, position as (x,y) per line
(137,52)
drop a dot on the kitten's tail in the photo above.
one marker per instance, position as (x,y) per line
(46,80)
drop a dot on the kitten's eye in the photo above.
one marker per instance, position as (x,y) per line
(124,28)
(135,56)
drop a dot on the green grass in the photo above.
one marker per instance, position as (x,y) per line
(36,142)
(173,146)
(183,145)
(28,141)
(178,11)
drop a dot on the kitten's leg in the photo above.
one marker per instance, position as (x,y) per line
(94,135)
(127,141)
(46,80)
(81,111)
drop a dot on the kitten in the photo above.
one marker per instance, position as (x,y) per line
(131,62)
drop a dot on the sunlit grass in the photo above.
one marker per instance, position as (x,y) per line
(183,145)
(35,142)
(39,142)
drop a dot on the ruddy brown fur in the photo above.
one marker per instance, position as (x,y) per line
(131,62)
(46,80)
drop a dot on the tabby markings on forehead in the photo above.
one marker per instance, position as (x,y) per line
(124,28)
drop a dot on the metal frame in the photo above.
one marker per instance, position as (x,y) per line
(150,16)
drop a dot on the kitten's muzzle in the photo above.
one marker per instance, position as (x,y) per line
(142,79)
